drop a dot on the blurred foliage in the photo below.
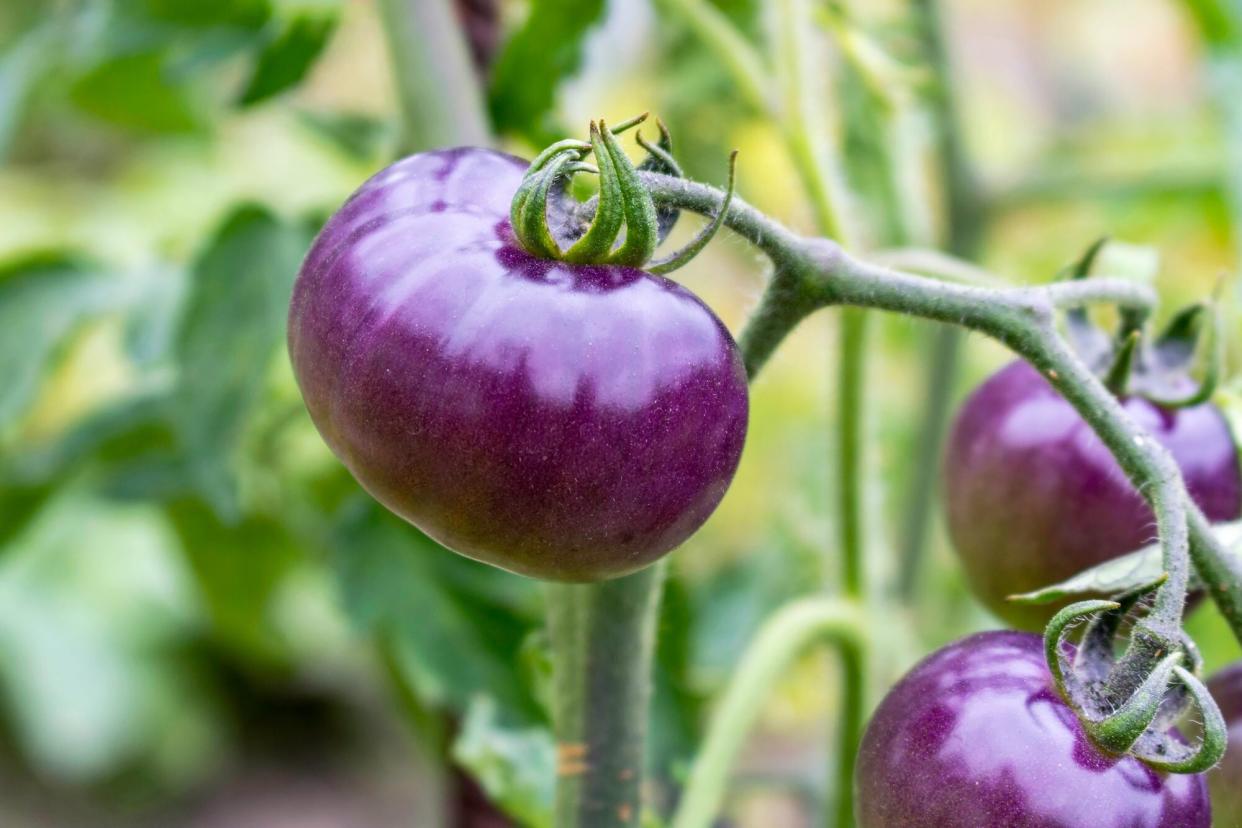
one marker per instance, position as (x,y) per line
(152,67)
(176,540)
(533,63)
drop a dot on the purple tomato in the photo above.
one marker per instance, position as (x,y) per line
(976,735)
(567,422)
(1033,496)
(1226,780)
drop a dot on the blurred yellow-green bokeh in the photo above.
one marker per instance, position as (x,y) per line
(184,638)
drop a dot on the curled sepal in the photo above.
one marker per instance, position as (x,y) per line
(548,153)
(660,160)
(531,180)
(1058,628)
(680,257)
(1089,341)
(1117,380)
(660,154)
(641,231)
(1120,730)
(531,219)
(1097,649)
(1174,352)
(1170,754)
(597,241)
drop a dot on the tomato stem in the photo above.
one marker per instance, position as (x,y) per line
(603,641)
(437,86)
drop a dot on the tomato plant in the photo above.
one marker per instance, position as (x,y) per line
(227,479)
(977,734)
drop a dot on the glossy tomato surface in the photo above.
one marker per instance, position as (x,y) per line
(562,421)
(975,735)
(1226,780)
(1033,496)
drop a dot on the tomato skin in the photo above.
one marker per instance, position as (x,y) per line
(976,735)
(1033,496)
(1225,780)
(566,422)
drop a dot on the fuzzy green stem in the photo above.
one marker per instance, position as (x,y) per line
(437,87)
(819,271)
(784,638)
(603,640)
(1219,568)
(850,445)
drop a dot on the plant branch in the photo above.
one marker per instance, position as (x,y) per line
(603,641)
(784,637)
(819,273)
(437,86)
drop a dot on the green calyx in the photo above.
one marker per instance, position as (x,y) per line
(1129,362)
(1133,704)
(625,224)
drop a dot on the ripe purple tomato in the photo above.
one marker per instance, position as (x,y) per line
(1033,496)
(976,735)
(567,422)
(1226,780)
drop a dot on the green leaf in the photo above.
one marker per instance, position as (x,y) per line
(515,766)
(18,507)
(202,13)
(1220,21)
(287,56)
(238,569)
(91,605)
(539,56)
(360,137)
(44,299)
(22,67)
(163,442)
(138,91)
(1119,575)
(234,320)
(454,627)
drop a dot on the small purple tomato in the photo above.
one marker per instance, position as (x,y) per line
(567,422)
(1033,496)
(976,735)
(1225,781)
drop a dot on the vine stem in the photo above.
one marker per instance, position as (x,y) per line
(965,218)
(603,644)
(437,88)
(441,105)
(784,637)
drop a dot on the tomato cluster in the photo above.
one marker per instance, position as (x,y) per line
(977,734)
